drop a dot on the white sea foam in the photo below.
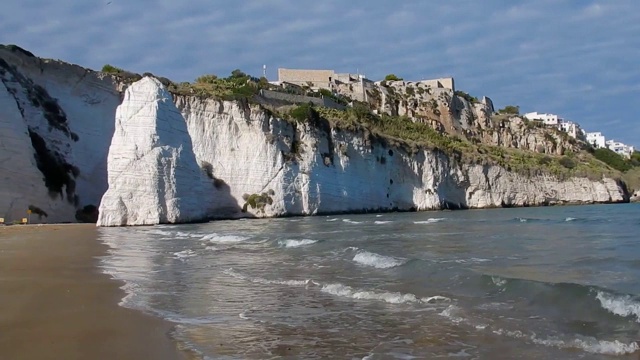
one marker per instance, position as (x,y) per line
(296,243)
(606,347)
(570,219)
(332,220)
(224,239)
(379,215)
(498,281)
(382,222)
(348,221)
(377,260)
(619,305)
(452,312)
(159,232)
(184,254)
(429,221)
(243,315)
(389,297)
(237,275)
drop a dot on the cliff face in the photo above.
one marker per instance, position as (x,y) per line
(67,114)
(310,168)
(466,117)
(229,158)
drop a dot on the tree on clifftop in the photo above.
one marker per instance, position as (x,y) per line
(510,109)
(392,77)
(207,79)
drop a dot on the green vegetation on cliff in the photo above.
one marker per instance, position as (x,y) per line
(403,132)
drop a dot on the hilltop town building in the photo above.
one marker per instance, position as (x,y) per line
(351,85)
(547,119)
(442,83)
(620,148)
(553,120)
(572,129)
(315,79)
(355,85)
(596,139)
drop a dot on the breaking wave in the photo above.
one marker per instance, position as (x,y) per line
(376,260)
(388,297)
(429,221)
(588,344)
(224,239)
(184,254)
(296,243)
(348,221)
(623,306)
(347,291)
(237,275)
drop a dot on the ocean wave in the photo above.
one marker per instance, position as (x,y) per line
(388,297)
(184,254)
(623,306)
(290,243)
(570,219)
(348,221)
(588,344)
(262,281)
(452,312)
(378,222)
(332,219)
(376,260)
(159,232)
(224,239)
(429,221)
(347,291)
(498,281)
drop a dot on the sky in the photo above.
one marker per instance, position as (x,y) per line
(579,59)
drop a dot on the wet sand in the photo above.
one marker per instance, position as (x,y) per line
(55,303)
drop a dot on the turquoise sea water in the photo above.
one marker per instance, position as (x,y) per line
(528,283)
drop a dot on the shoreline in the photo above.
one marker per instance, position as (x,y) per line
(55,303)
(330,213)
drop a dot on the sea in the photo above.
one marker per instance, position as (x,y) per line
(519,283)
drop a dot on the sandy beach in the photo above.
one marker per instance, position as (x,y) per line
(55,303)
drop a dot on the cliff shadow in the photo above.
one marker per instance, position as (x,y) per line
(225,205)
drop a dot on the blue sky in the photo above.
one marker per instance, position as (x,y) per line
(577,58)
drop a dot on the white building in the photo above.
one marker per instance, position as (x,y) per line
(596,139)
(620,148)
(547,119)
(571,128)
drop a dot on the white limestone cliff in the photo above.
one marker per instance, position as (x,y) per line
(152,172)
(253,153)
(63,115)
(67,113)
(22,182)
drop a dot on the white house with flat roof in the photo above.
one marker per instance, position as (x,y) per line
(596,139)
(620,148)
(571,128)
(547,119)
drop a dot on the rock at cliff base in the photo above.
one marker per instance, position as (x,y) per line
(153,174)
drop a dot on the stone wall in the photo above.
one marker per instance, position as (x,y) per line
(300,99)
(444,83)
(319,78)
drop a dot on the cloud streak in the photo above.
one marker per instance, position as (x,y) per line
(577,59)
